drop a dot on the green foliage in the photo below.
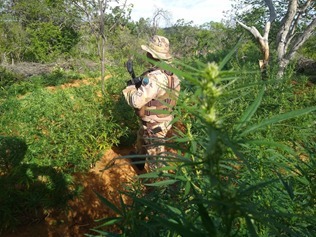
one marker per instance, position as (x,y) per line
(243,166)
(309,48)
(13,84)
(53,127)
(28,190)
(118,110)
(7,78)
(67,128)
(13,39)
(245,156)
(47,41)
(128,44)
(141,28)
(37,31)
(47,133)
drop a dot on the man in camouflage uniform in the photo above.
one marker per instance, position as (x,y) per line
(153,101)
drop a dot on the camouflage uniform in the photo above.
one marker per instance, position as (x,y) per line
(153,101)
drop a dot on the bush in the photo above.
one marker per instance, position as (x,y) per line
(7,78)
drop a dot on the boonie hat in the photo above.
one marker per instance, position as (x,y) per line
(158,47)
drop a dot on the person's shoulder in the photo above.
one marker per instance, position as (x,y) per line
(155,73)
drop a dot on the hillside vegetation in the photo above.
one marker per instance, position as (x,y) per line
(241,156)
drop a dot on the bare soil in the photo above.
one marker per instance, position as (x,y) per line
(83,211)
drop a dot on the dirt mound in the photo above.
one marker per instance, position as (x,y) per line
(80,217)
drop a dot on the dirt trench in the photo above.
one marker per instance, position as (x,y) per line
(83,211)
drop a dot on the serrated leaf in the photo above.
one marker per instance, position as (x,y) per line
(303,180)
(250,111)
(174,210)
(182,139)
(162,183)
(110,221)
(287,187)
(272,144)
(251,227)
(187,188)
(278,118)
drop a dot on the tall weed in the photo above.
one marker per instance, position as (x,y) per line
(241,166)
(66,128)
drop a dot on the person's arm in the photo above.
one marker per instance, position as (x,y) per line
(137,98)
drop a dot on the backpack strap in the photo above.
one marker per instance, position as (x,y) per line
(167,101)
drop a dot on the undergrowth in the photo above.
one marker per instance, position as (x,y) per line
(243,166)
(47,134)
(244,163)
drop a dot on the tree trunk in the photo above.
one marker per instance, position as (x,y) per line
(289,40)
(263,64)
(102,6)
(263,40)
(282,64)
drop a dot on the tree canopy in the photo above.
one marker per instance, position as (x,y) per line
(45,30)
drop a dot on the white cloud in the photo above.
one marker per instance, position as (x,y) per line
(198,11)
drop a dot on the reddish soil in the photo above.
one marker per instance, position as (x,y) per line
(83,211)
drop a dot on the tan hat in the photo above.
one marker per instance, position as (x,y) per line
(158,47)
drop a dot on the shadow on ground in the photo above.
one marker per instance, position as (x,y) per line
(80,216)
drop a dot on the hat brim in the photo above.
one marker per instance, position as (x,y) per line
(155,54)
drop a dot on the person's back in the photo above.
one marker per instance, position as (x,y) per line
(154,100)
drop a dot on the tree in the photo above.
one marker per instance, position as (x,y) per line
(95,13)
(183,36)
(12,39)
(295,21)
(159,14)
(37,30)
(309,48)
(215,40)
(141,28)
(263,39)
(293,34)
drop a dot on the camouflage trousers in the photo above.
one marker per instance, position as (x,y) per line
(150,141)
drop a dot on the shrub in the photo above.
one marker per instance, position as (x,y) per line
(7,78)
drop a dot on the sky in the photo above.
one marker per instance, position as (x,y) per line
(198,11)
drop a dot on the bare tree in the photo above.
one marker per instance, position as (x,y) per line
(292,33)
(263,39)
(290,38)
(160,14)
(95,15)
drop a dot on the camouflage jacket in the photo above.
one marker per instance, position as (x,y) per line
(156,97)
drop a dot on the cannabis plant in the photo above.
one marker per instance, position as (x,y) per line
(237,166)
